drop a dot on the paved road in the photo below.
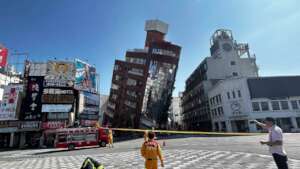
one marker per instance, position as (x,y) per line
(199,152)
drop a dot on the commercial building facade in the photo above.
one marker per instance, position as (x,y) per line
(235,102)
(142,85)
(228,59)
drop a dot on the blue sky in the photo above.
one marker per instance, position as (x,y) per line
(101,31)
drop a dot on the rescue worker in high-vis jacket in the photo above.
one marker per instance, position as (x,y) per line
(151,151)
(110,138)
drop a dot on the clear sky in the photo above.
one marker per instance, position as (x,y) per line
(101,31)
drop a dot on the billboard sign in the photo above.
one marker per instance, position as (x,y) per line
(85,77)
(3,56)
(53,125)
(9,104)
(32,103)
(89,103)
(29,125)
(58,83)
(88,123)
(37,69)
(56,98)
(60,70)
(56,107)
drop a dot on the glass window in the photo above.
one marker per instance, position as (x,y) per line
(233,94)
(264,106)
(228,95)
(234,74)
(232,63)
(284,105)
(294,105)
(275,105)
(220,98)
(78,137)
(298,121)
(62,138)
(90,137)
(131,82)
(255,106)
(239,94)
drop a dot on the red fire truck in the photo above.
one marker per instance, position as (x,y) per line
(72,138)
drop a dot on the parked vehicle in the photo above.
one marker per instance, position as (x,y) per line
(72,138)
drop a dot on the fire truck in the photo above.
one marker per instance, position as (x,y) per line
(72,138)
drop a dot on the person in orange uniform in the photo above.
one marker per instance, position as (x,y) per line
(151,151)
(110,138)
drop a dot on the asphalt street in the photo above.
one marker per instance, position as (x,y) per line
(193,152)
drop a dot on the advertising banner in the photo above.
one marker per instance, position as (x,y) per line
(89,103)
(29,125)
(56,98)
(9,104)
(88,123)
(3,56)
(85,77)
(53,125)
(60,70)
(56,107)
(37,69)
(58,83)
(32,103)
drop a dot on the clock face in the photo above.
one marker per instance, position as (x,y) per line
(235,106)
(227,47)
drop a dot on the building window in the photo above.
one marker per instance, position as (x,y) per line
(136,60)
(116,67)
(284,105)
(131,82)
(114,96)
(239,94)
(135,71)
(228,95)
(233,94)
(264,106)
(130,104)
(298,121)
(255,106)
(232,63)
(294,105)
(275,105)
(117,77)
(114,86)
(131,93)
(234,74)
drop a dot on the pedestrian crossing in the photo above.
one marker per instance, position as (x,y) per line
(174,159)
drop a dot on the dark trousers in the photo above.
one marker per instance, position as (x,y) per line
(281,161)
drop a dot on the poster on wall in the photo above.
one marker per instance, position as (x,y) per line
(32,102)
(85,77)
(59,70)
(9,104)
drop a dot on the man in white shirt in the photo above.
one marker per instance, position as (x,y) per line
(275,142)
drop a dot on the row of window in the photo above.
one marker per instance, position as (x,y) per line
(136,60)
(215,100)
(234,94)
(217,112)
(276,105)
(130,104)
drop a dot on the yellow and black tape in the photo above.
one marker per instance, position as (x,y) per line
(189,132)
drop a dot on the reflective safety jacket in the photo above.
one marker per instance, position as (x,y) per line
(90,163)
(151,150)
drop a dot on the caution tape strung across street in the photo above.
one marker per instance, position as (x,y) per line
(188,132)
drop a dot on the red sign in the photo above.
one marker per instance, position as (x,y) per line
(53,125)
(3,57)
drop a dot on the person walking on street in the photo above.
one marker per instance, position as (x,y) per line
(151,151)
(275,142)
(110,139)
